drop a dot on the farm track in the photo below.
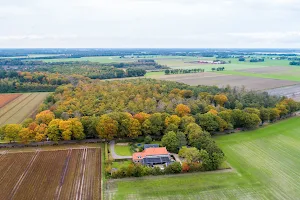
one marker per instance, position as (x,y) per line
(22,107)
(61,174)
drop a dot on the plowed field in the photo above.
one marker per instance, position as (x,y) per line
(62,174)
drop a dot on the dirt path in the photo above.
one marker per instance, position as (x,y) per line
(59,187)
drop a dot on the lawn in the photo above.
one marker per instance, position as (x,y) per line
(121,164)
(123,150)
(266,166)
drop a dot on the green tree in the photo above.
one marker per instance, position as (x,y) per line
(181,139)
(173,168)
(170,141)
(148,139)
(190,154)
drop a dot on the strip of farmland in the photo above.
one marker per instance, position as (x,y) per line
(6,98)
(62,174)
(19,109)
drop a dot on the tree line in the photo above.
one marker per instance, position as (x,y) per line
(183,71)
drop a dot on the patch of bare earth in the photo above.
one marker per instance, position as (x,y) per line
(63,174)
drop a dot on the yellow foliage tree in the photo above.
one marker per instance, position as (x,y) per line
(11,131)
(220,99)
(26,135)
(45,117)
(173,119)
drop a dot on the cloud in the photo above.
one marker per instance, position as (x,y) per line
(37,37)
(149,23)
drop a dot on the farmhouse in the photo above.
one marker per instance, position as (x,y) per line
(152,156)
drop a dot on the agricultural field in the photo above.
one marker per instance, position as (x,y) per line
(222,80)
(21,107)
(100,59)
(265,165)
(6,98)
(289,91)
(60,174)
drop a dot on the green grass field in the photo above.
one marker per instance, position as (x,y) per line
(293,75)
(265,163)
(123,150)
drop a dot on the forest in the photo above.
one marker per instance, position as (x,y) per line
(37,76)
(175,113)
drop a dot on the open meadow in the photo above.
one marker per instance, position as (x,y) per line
(58,174)
(15,110)
(265,165)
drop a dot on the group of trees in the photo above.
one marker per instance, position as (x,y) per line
(44,127)
(218,69)
(183,71)
(12,81)
(257,60)
(149,96)
(295,63)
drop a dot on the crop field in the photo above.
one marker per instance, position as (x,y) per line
(289,91)
(61,174)
(222,80)
(100,59)
(21,107)
(265,166)
(6,98)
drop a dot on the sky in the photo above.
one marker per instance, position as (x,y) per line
(150,24)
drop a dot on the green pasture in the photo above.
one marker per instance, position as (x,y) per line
(265,163)
(292,75)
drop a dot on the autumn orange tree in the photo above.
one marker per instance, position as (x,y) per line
(182,110)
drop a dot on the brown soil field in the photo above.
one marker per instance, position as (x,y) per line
(266,70)
(6,98)
(62,174)
(222,80)
(21,108)
(289,91)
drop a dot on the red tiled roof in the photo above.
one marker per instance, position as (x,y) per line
(150,152)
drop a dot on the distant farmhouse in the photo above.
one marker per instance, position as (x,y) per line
(152,156)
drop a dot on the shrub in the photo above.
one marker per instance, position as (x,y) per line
(195,167)
(173,168)
(185,167)
(148,139)
(157,171)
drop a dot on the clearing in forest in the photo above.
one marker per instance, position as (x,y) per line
(62,174)
(265,166)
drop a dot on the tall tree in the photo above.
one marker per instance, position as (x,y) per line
(11,131)
(107,128)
